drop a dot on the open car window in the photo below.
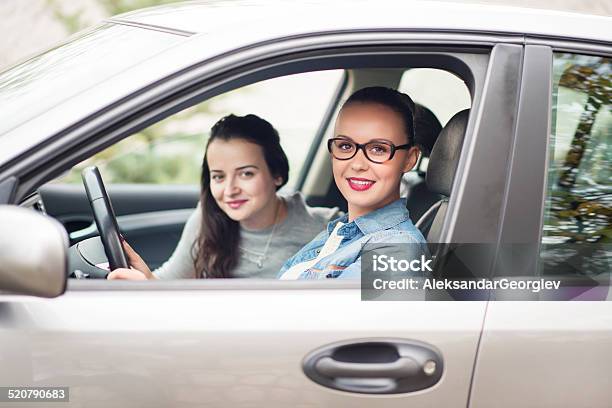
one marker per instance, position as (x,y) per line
(165,157)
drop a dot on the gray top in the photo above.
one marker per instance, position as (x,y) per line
(301,225)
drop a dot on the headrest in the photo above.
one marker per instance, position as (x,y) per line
(445,154)
(426,128)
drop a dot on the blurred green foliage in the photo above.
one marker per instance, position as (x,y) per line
(123,6)
(164,153)
(580,200)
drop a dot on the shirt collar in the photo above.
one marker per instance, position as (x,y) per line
(384,218)
(332,224)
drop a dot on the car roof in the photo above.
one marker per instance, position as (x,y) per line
(312,16)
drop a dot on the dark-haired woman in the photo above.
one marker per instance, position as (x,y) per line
(242,226)
(373,146)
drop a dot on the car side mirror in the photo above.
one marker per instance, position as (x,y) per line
(33,253)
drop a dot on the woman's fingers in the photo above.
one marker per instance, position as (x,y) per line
(129,251)
(126,274)
(135,260)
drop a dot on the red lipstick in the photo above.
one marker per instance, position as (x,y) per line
(360,184)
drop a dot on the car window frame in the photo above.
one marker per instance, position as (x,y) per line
(494,74)
(528,179)
(322,129)
(525,187)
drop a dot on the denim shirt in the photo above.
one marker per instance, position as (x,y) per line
(389,224)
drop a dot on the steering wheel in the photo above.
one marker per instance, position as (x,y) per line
(105,218)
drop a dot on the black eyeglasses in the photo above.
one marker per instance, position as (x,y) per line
(376,152)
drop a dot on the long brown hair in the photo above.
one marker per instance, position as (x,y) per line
(217,247)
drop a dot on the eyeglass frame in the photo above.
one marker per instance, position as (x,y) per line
(362,146)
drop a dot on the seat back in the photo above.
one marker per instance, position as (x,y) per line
(441,173)
(427,127)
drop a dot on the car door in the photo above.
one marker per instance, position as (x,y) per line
(248,342)
(558,211)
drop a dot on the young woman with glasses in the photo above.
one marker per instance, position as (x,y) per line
(242,226)
(373,146)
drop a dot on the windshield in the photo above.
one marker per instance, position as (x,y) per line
(44,81)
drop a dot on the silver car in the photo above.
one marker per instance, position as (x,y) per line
(531,167)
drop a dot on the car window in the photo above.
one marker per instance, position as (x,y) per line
(578,207)
(171,151)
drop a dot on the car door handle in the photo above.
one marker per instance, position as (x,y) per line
(375,366)
(401,368)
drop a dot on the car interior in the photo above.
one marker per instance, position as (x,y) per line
(151,212)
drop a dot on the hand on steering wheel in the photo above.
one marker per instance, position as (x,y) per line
(139,269)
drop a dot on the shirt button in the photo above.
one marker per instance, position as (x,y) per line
(318,251)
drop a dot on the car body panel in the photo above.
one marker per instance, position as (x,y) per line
(545,354)
(193,345)
(321,16)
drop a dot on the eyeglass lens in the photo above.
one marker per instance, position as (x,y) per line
(374,151)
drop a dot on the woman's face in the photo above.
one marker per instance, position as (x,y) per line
(241,183)
(365,185)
